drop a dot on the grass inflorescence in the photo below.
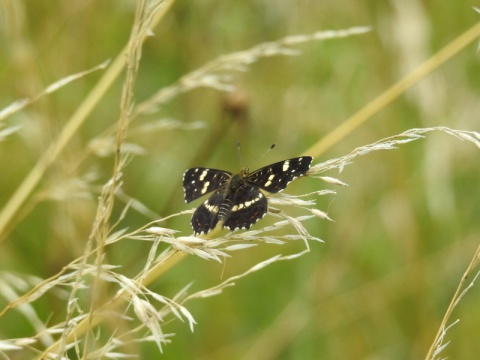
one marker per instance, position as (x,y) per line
(105,274)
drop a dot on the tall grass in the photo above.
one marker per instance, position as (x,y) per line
(98,260)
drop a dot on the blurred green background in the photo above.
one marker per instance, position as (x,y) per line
(405,229)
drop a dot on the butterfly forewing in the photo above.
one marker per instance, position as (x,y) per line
(274,178)
(200,181)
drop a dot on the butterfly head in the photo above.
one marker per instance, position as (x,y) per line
(238,179)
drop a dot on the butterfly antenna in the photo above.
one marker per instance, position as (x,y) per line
(265,153)
(238,154)
(258,157)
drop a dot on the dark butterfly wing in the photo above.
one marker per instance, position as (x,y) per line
(205,218)
(274,178)
(238,210)
(240,203)
(247,206)
(200,181)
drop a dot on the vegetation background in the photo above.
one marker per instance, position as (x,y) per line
(405,229)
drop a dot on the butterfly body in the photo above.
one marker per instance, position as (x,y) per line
(237,200)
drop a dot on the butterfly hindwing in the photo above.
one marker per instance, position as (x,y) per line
(200,181)
(238,210)
(248,205)
(274,178)
(205,218)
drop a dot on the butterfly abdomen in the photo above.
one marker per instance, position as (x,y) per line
(225,209)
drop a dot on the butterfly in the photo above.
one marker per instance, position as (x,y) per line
(237,201)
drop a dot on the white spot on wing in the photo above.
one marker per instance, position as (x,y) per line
(269,181)
(286,165)
(202,175)
(205,187)
(211,208)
